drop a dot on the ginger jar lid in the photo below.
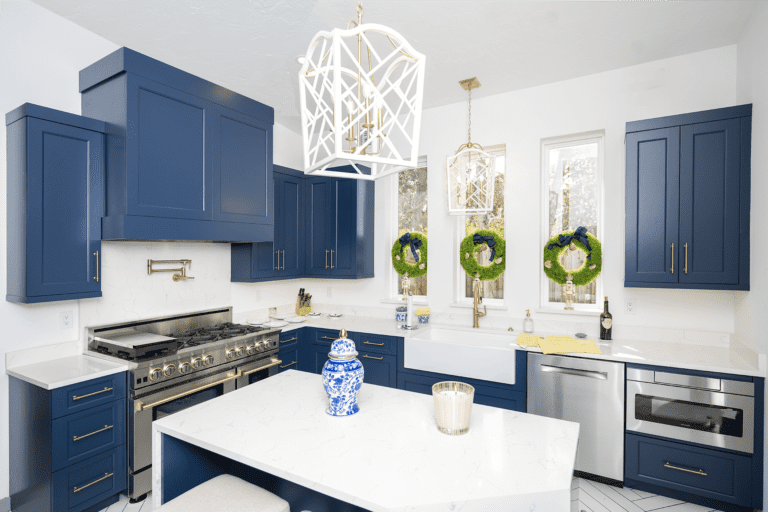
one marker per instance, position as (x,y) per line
(343,347)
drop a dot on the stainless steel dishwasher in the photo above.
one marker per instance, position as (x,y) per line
(588,392)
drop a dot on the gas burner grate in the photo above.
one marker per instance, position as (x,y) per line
(202,336)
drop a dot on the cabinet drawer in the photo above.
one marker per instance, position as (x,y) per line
(84,434)
(289,339)
(289,358)
(87,483)
(379,369)
(84,395)
(374,343)
(325,336)
(503,398)
(700,471)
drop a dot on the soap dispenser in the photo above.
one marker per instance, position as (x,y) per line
(528,321)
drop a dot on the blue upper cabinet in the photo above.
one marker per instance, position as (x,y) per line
(55,204)
(320,231)
(687,200)
(186,159)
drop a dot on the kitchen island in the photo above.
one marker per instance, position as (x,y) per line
(388,457)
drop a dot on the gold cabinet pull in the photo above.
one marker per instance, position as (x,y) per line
(289,364)
(106,427)
(699,472)
(685,269)
(78,489)
(286,341)
(283,261)
(326,258)
(274,362)
(327,338)
(96,278)
(369,343)
(75,398)
(376,358)
(331,258)
(278,260)
(138,405)
(673,257)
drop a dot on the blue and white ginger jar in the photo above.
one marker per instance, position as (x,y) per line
(342,377)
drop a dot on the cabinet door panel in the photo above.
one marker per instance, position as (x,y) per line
(318,357)
(242,187)
(172,171)
(288,227)
(709,202)
(264,260)
(64,192)
(344,241)
(652,195)
(379,369)
(318,225)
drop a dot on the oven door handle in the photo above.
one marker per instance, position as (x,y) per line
(274,362)
(141,406)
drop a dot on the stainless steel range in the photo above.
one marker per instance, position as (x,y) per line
(175,363)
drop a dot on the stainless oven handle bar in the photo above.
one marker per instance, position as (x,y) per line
(274,362)
(699,472)
(572,371)
(141,406)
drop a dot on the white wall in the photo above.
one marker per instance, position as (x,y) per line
(751,320)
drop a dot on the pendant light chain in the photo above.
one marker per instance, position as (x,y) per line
(469,134)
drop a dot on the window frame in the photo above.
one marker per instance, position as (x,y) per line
(548,144)
(460,232)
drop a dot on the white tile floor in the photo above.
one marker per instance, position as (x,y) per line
(586,496)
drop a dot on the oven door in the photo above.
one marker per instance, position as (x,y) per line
(155,405)
(711,418)
(258,370)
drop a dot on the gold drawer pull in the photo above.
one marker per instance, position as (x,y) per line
(673,257)
(106,427)
(78,489)
(369,343)
(699,472)
(685,269)
(75,398)
(376,358)
(289,364)
(327,338)
(286,341)
(96,277)
(270,365)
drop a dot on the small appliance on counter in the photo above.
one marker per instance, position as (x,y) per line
(342,377)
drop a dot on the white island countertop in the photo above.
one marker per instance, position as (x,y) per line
(61,372)
(389,456)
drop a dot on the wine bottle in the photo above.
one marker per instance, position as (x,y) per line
(606,323)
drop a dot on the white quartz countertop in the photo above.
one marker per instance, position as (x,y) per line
(64,371)
(676,355)
(389,456)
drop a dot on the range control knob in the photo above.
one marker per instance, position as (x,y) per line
(252,349)
(208,360)
(230,353)
(260,346)
(197,363)
(155,374)
(240,351)
(169,370)
(185,368)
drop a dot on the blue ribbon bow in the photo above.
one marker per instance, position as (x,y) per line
(414,242)
(580,235)
(480,239)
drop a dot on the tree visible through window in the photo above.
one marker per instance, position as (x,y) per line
(412,216)
(493,221)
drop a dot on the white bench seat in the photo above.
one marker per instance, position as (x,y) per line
(229,493)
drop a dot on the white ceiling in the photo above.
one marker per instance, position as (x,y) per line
(250,46)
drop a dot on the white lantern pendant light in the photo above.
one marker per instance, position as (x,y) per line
(471,172)
(361,95)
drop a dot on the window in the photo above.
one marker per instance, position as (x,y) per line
(572,184)
(412,216)
(493,221)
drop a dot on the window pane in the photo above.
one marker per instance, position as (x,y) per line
(412,216)
(573,197)
(493,221)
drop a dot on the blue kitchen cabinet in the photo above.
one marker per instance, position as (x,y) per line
(318,355)
(319,230)
(687,200)
(379,369)
(68,450)
(186,159)
(55,204)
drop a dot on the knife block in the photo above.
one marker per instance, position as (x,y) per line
(303,309)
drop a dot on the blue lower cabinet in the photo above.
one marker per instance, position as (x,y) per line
(501,397)
(374,343)
(318,355)
(290,339)
(90,482)
(289,359)
(379,369)
(84,395)
(715,474)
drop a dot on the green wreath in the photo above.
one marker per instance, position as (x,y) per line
(588,271)
(476,242)
(414,241)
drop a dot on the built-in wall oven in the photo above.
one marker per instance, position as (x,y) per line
(710,411)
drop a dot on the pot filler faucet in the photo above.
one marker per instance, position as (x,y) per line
(476,314)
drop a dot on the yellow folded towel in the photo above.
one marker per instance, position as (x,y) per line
(567,345)
(529,340)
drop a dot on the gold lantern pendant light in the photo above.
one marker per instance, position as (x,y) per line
(471,172)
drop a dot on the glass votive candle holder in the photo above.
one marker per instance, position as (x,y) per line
(453,406)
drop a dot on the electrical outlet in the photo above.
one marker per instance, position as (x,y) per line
(330,292)
(65,320)
(258,295)
(631,306)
